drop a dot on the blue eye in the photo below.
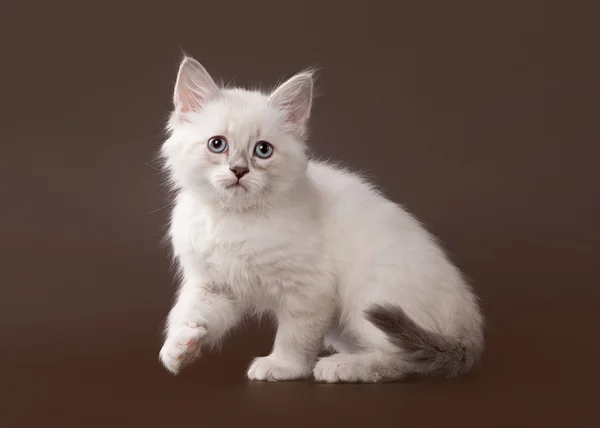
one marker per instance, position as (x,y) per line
(263,150)
(217,144)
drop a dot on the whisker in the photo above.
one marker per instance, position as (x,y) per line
(153,167)
(158,209)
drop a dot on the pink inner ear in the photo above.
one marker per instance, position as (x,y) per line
(290,116)
(290,111)
(187,99)
(294,115)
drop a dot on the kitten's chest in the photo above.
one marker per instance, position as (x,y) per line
(251,257)
(247,260)
(232,262)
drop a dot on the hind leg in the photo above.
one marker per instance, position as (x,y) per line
(364,355)
(361,367)
(337,340)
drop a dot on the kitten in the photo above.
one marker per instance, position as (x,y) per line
(259,228)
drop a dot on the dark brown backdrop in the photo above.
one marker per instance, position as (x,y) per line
(481,117)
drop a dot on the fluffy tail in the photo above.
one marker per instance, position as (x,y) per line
(431,353)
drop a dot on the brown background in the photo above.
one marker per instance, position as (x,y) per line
(480,118)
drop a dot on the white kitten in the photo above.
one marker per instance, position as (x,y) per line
(257,227)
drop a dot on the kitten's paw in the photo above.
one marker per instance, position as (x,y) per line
(352,368)
(271,369)
(182,346)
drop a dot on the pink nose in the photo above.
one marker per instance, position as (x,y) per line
(239,171)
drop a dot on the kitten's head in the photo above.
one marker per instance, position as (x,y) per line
(236,147)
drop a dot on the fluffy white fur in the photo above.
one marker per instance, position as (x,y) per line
(312,244)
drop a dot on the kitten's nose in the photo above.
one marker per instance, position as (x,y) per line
(239,171)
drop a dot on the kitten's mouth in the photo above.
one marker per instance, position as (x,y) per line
(235,186)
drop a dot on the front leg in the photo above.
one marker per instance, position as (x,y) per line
(202,315)
(302,325)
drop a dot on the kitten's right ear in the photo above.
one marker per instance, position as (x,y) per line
(294,97)
(193,88)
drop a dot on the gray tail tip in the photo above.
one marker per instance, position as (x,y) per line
(429,352)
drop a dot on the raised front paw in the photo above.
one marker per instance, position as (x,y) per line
(272,369)
(182,346)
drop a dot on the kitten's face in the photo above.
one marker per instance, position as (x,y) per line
(238,150)
(235,147)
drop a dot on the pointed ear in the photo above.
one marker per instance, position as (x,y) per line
(294,97)
(194,86)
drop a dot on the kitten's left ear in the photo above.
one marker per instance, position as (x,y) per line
(194,86)
(294,97)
